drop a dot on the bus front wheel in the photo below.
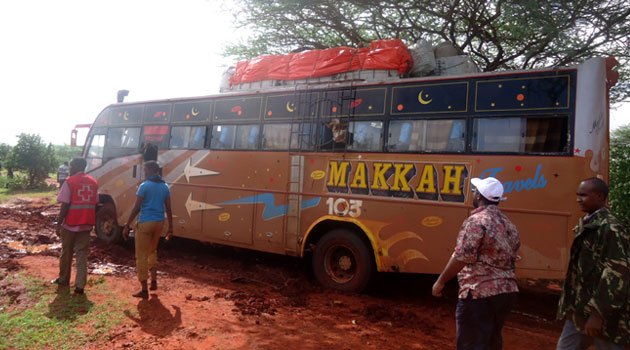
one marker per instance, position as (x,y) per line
(343,261)
(107,228)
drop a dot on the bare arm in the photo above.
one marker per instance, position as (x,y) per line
(134,213)
(169,216)
(452,268)
(62,216)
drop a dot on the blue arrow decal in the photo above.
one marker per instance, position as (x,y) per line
(271,210)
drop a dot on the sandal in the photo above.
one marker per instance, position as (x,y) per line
(144,294)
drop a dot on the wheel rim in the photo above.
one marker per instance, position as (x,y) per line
(340,264)
(107,227)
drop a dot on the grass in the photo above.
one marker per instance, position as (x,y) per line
(58,320)
(6,194)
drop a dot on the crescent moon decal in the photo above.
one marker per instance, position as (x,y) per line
(290,107)
(126,116)
(423,101)
(194,111)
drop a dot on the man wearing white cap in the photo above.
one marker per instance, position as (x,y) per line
(483,261)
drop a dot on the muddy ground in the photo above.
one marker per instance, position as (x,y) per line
(214,297)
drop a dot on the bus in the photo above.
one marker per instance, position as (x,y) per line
(363,177)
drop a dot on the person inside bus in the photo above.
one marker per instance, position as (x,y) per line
(484,262)
(149,152)
(335,135)
(152,200)
(595,296)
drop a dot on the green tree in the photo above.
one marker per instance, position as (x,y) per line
(4,151)
(33,157)
(620,174)
(65,153)
(496,34)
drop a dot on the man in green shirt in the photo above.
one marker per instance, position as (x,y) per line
(595,296)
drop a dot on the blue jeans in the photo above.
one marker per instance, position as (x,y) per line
(572,339)
(479,321)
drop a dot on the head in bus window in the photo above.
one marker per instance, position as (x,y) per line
(592,194)
(486,191)
(339,130)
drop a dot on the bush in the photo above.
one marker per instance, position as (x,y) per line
(17,183)
(620,174)
(34,158)
(4,182)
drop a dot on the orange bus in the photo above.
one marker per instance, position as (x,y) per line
(365,176)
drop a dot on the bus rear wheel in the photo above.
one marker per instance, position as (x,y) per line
(107,228)
(343,261)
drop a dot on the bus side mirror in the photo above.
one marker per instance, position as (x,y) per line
(73,138)
(121,95)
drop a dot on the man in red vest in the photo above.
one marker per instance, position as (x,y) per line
(78,196)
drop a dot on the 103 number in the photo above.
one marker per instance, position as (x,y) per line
(344,207)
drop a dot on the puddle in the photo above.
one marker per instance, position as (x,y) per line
(32,249)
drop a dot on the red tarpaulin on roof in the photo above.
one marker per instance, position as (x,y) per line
(382,54)
(302,64)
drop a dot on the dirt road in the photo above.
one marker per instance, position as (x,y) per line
(213,297)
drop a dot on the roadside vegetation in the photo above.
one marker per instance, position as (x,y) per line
(620,174)
(34,315)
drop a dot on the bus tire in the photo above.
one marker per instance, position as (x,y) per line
(107,228)
(343,261)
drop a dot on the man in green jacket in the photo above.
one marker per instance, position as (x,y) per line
(595,296)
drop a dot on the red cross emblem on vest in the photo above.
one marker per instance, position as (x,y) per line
(86,193)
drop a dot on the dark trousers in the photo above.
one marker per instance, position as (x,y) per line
(479,321)
(74,243)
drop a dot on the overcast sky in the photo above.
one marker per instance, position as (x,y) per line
(62,61)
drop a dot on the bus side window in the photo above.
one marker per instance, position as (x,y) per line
(223,137)
(179,137)
(302,136)
(197,137)
(188,137)
(532,134)
(94,156)
(399,135)
(276,136)
(123,138)
(247,137)
(366,136)
(426,135)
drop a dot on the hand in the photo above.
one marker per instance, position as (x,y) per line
(437,288)
(125,232)
(169,234)
(594,324)
(58,230)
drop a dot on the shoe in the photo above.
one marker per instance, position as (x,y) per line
(144,294)
(153,285)
(56,281)
(78,291)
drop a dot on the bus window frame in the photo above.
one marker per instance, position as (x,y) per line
(299,141)
(88,147)
(569,137)
(234,140)
(463,118)
(121,151)
(205,142)
(161,143)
